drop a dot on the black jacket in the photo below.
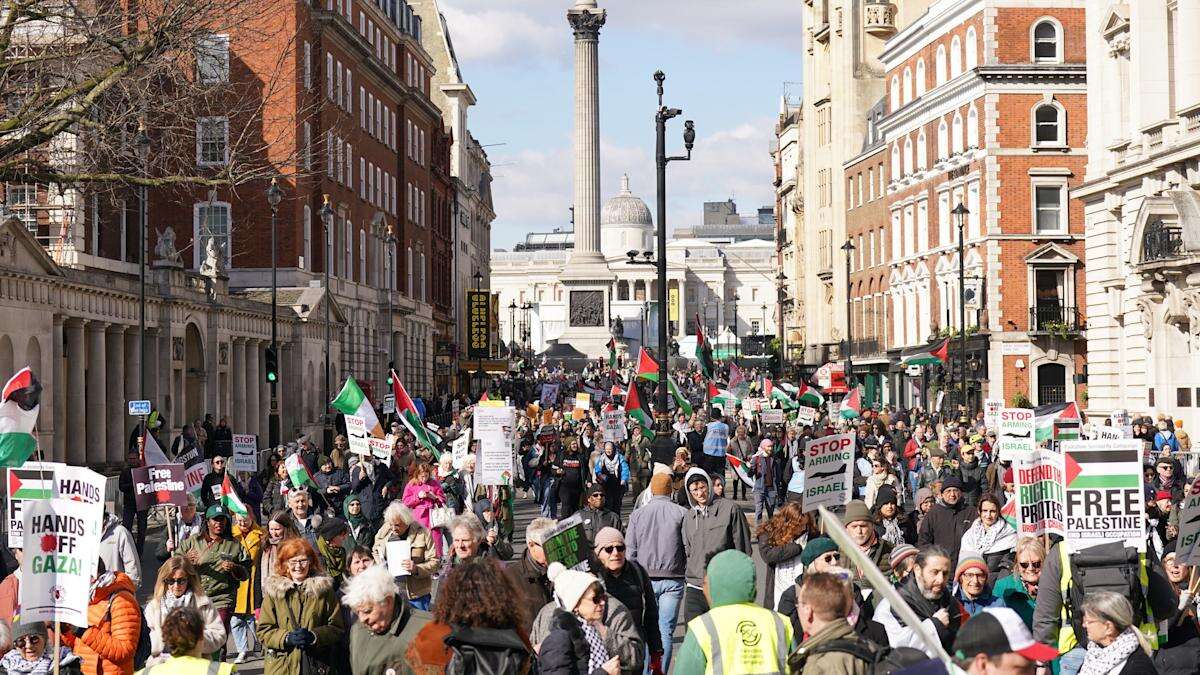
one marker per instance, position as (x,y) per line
(772,556)
(211,486)
(945,526)
(632,588)
(565,650)
(535,588)
(1140,664)
(594,521)
(974,480)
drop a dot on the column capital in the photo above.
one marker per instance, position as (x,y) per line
(586,23)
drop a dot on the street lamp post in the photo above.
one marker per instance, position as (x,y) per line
(737,343)
(142,145)
(327,220)
(961,212)
(274,196)
(526,333)
(848,247)
(780,290)
(387,236)
(512,329)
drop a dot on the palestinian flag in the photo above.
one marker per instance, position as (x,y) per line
(637,410)
(722,397)
(18,416)
(152,452)
(778,394)
(1098,469)
(924,356)
(739,467)
(851,405)
(809,395)
(704,353)
(679,399)
(352,401)
(1009,513)
(297,471)
(407,411)
(230,499)
(737,381)
(612,352)
(616,391)
(30,484)
(1045,417)
(487,396)
(647,367)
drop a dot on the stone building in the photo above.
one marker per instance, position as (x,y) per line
(788,156)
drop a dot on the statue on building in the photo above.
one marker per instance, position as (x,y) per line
(165,254)
(214,259)
(618,327)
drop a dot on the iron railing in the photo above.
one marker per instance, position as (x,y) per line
(1053,318)
(1051,393)
(1161,242)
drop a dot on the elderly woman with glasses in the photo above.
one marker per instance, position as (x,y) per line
(301,619)
(1018,591)
(400,524)
(178,586)
(29,653)
(627,582)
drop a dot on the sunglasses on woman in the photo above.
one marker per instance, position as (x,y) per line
(177,582)
(1032,565)
(615,548)
(30,640)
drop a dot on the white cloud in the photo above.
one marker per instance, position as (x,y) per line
(506,35)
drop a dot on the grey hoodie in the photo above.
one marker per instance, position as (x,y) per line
(118,550)
(718,526)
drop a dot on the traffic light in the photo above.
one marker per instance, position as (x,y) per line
(391,367)
(272,365)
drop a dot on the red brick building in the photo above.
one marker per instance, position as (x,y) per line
(986,108)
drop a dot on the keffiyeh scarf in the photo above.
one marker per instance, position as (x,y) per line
(1101,660)
(170,602)
(892,532)
(612,465)
(983,539)
(597,653)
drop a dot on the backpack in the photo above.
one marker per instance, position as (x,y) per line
(1107,567)
(485,651)
(882,660)
(142,653)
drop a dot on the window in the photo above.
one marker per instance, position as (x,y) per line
(910,231)
(895,93)
(940,65)
(1048,127)
(362,178)
(908,86)
(1049,204)
(973,208)
(329,76)
(362,108)
(212,141)
(943,140)
(955,57)
(349,102)
(212,59)
(408,288)
(920,77)
(943,218)
(972,49)
(896,235)
(1047,46)
(308,81)
(1183,397)
(22,199)
(908,156)
(922,225)
(348,240)
(337,92)
(895,160)
(871,184)
(306,259)
(349,177)
(362,256)
(329,154)
(308,149)
(956,133)
(211,221)
(972,128)
(421,276)
(824,130)
(922,151)
(860,189)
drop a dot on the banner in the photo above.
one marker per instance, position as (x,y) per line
(356,434)
(32,481)
(615,429)
(828,471)
(991,413)
(245,453)
(1014,432)
(479,329)
(56,572)
(162,484)
(1186,550)
(494,429)
(772,416)
(460,448)
(1104,495)
(1039,493)
(673,304)
(194,468)
(549,395)
(568,545)
(1106,433)
(806,416)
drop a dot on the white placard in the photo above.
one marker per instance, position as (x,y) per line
(30,481)
(806,416)
(495,428)
(1107,433)
(56,570)
(397,552)
(245,453)
(460,448)
(991,412)
(356,434)
(828,471)
(1014,432)
(772,416)
(615,429)
(382,447)
(1103,493)
(1186,550)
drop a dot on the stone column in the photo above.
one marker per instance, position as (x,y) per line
(114,350)
(76,428)
(253,379)
(60,393)
(586,19)
(130,338)
(238,420)
(96,392)
(1187,65)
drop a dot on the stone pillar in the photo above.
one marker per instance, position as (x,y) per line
(586,19)
(264,400)
(96,391)
(115,386)
(253,348)
(76,430)
(238,420)
(132,356)
(60,393)
(1187,59)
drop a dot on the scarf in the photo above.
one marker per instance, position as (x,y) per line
(170,602)
(597,653)
(985,540)
(101,581)
(1101,660)
(613,466)
(334,558)
(355,521)
(910,592)
(15,664)
(892,532)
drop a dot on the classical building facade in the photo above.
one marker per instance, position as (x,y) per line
(788,157)
(1142,208)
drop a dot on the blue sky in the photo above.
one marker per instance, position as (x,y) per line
(726,65)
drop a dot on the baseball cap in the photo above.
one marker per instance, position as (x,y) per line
(999,630)
(216,511)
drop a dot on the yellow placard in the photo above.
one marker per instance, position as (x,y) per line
(583,401)
(673,304)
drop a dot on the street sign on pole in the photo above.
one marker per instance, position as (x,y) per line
(139,408)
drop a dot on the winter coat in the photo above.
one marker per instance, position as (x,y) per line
(945,526)
(979,604)
(565,650)
(1012,594)
(425,561)
(311,604)
(623,639)
(10,594)
(879,553)
(1179,654)
(221,586)
(631,587)
(118,550)
(369,488)
(372,654)
(831,662)
(210,489)
(594,521)
(530,579)
(214,628)
(338,478)
(115,620)
(654,538)
(772,556)
(974,478)
(252,541)
(429,654)
(719,526)
(423,506)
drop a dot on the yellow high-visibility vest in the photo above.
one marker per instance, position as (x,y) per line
(1066,632)
(189,665)
(743,639)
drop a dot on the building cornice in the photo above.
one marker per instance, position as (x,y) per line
(938,20)
(1034,73)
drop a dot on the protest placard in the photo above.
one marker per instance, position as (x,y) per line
(991,413)
(615,429)
(1039,493)
(245,453)
(772,416)
(494,429)
(57,567)
(194,468)
(356,434)
(398,552)
(1014,432)
(583,400)
(828,471)
(1103,496)
(549,395)
(1186,550)
(1106,433)
(161,484)
(461,447)
(32,480)
(806,416)
(382,447)
(567,545)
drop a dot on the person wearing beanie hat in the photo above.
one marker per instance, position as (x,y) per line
(901,561)
(333,482)
(891,524)
(330,536)
(747,638)
(948,520)
(654,540)
(935,468)
(861,528)
(574,644)
(219,559)
(710,526)
(627,582)
(971,580)
(31,655)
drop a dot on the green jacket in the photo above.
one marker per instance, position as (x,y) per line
(829,663)
(1012,594)
(372,654)
(220,586)
(312,604)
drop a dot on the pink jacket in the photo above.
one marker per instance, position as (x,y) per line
(422,507)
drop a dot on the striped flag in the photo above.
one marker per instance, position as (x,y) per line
(679,399)
(18,416)
(778,394)
(407,411)
(1046,416)
(924,356)
(612,352)
(851,405)
(809,395)
(647,368)
(637,410)
(1094,469)
(352,401)
(722,397)
(230,499)
(298,471)
(704,352)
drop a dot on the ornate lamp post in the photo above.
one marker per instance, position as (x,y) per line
(781,292)
(274,197)
(327,217)
(142,146)
(961,212)
(848,247)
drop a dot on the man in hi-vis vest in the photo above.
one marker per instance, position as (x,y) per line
(736,635)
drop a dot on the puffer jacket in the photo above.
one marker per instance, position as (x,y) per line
(214,628)
(831,661)
(252,543)
(311,604)
(623,640)
(425,560)
(115,621)
(719,526)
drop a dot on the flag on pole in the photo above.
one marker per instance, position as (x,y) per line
(18,416)
(851,405)
(679,399)
(612,352)
(152,452)
(1045,416)
(298,471)
(924,356)
(352,401)
(737,381)
(777,393)
(704,353)
(721,397)
(647,367)
(637,410)
(616,391)
(412,419)
(809,395)
(230,499)
(739,467)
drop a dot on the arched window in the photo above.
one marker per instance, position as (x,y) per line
(307,261)
(1049,125)
(955,57)
(972,128)
(895,93)
(908,156)
(920,77)
(1047,42)
(922,151)
(943,140)
(972,48)
(939,65)
(908,86)
(408,259)
(895,161)
(956,133)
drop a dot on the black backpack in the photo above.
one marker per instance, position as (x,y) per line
(485,651)
(1107,567)
(880,659)
(142,653)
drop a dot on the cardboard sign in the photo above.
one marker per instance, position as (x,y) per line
(615,429)
(245,453)
(162,484)
(356,434)
(1039,493)
(806,416)
(194,469)
(382,448)
(495,428)
(32,481)
(1015,432)
(1103,496)
(57,567)
(1186,550)
(583,401)
(460,448)
(772,416)
(828,471)
(991,412)
(568,545)
(1107,433)
(549,395)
